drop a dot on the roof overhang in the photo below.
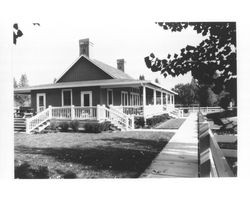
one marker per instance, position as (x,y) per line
(110,83)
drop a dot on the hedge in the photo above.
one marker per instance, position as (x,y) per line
(97,127)
(157,119)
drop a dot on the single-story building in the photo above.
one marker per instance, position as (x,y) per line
(89,84)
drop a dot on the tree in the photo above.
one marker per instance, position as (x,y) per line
(157,81)
(187,94)
(21,99)
(141,77)
(23,81)
(212,62)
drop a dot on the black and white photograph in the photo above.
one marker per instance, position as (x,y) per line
(97,120)
(125,97)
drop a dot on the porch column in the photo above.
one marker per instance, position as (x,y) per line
(161,98)
(154,97)
(144,100)
(173,100)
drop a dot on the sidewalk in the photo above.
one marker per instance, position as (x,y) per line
(179,158)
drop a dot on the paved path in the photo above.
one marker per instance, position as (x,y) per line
(179,158)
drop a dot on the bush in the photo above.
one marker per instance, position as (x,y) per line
(24,171)
(74,125)
(97,127)
(64,126)
(139,122)
(157,119)
(185,111)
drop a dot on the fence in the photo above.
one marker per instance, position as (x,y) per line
(212,161)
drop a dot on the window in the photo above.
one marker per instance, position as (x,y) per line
(124,98)
(134,99)
(168,95)
(110,96)
(164,98)
(66,97)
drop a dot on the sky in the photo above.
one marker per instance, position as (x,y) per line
(44,52)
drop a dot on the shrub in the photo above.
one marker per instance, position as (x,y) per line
(157,119)
(97,127)
(24,171)
(185,110)
(139,122)
(74,125)
(64,126)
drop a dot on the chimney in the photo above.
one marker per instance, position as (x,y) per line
(120,64)
(84,47)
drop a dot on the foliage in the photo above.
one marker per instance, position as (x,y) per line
(74,125)
(139,122)
(157,81)
(24,171)
(187,94)
(97,127)
(21,99)
(156,119)
(141,77)
(64,126)
(212,62)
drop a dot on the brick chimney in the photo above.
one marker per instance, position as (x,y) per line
(120,64)
(84,47)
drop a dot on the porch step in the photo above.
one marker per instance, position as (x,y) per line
(19,125)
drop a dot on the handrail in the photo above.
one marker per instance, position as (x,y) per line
(126,120)
(40,118)
(212,161)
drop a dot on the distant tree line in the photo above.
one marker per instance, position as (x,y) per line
(21,99)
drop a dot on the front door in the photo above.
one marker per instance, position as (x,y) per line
(86,98)
(40,102)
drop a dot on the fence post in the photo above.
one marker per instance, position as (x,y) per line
(72,112)
(27,125)
(50,112)
(98,112)
(133,122)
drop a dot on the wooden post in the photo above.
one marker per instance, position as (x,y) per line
(98,111)
(27,125)
(50,112)
(72,112)
(133,122)
(154,97)
(144,101)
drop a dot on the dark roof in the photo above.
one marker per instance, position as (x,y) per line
(113,72)
(116,73)
(91,83)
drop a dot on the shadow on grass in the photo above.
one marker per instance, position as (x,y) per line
(132,159)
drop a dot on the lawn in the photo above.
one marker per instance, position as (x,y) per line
(83,155)
(171,124)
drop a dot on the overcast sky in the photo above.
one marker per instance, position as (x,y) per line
(45,52)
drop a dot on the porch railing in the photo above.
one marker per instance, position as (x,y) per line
(129,110)
(118,118)
(37,120)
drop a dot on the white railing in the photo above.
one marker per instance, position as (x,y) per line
(61,112)
(40,118)
(85,113)
(129,110)
(117,118)
(202,109)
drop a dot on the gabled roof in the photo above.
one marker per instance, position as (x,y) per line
(111,71)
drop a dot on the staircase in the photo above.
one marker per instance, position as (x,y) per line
(119,120)
(19,125)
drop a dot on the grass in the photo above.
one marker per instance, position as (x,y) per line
(171,124)
(82,155)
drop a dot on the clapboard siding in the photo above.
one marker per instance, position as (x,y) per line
(84,70)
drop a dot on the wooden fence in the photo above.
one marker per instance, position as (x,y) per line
(212,161)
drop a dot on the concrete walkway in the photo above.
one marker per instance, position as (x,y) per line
(179,158)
